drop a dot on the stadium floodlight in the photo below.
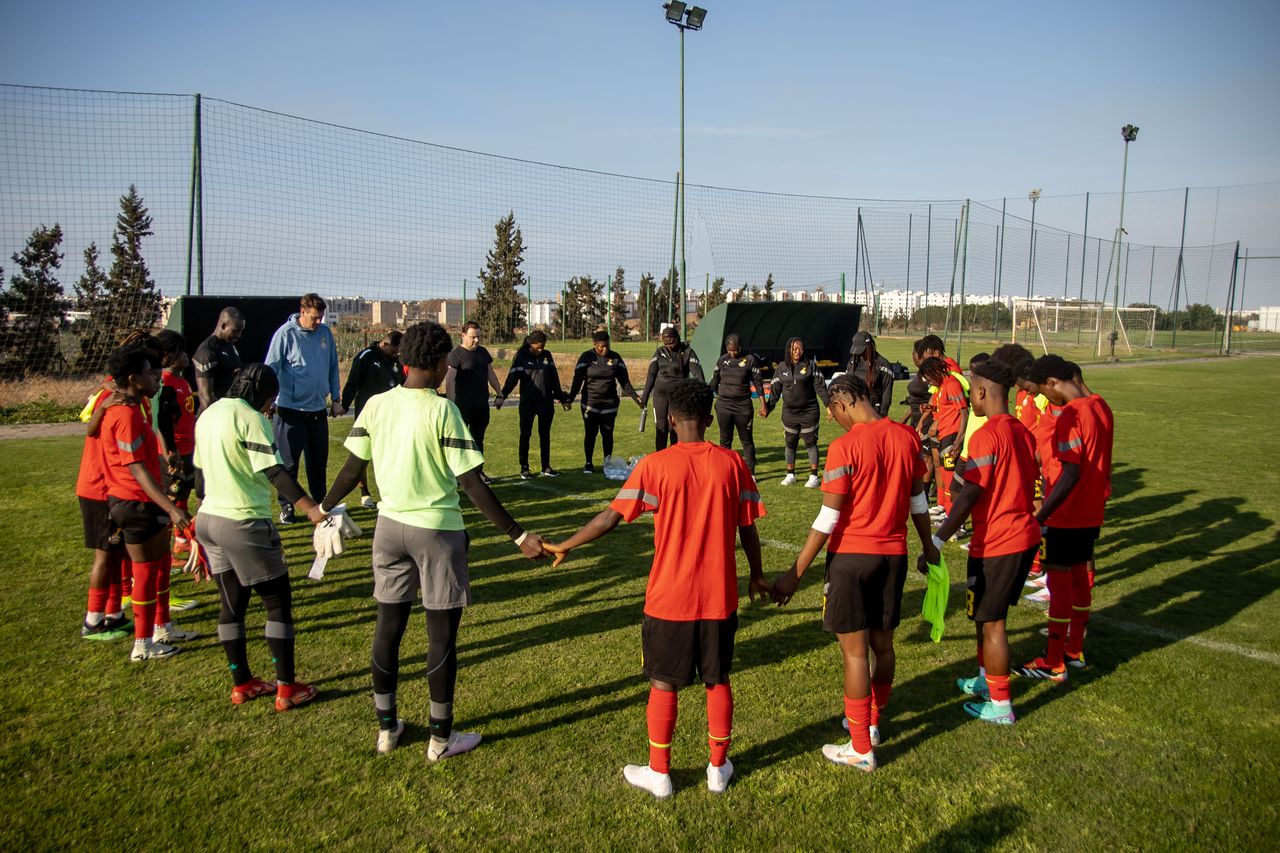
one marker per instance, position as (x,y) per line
(684,17)
(1129,132)
(1033,197)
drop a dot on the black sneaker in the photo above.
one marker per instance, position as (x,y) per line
(550,472)
(485,478)
(526,474)
(113,623)
(588,468)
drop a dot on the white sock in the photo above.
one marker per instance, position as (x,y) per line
(982,672)
(93,619)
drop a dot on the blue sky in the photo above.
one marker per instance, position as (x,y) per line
(887,100)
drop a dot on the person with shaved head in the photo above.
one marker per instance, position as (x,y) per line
(217,359)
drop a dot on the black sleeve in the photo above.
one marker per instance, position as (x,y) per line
(348,478)
(513,376)
(579,377)
(819,383)
(623,377)
(886,399)
(487,502)
(715,378)
(167,416)
(695,367)
(652,377)
(285,484)
(756,381)
(354,378)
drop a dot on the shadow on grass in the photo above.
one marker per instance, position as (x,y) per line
(978,832)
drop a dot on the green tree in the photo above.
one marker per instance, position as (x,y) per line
(767,295)
(647,312)
(618,301)
(133,302)
(1162,319)
(716,295)
(665,301)
(35,306)
(500,306)
(583,306)
(95,335)
(1198,317)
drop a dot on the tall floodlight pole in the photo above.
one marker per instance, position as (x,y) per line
(1033,196)
(1129,133)
(683,17)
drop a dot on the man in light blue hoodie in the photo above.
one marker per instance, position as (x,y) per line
(305,359)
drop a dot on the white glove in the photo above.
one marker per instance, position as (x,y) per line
(348,526)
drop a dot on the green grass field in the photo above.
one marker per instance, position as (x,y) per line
(1170,740)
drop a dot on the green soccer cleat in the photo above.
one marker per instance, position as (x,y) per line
(976,686)
(986,711)
(104,631)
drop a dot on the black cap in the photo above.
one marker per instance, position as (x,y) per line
(860,343)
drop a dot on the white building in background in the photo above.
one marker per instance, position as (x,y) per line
(1268,319)
(544,312)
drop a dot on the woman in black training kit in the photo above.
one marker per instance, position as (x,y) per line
(733,379)
(598,374)
(874,370)
(799,385)
(672,362)
(535,370)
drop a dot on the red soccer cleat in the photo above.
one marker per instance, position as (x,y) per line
(250,690)
(292,695)
(1040,669)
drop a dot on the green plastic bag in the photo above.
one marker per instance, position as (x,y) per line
(936,594)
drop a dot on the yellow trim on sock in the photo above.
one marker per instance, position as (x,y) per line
(143,603)
(659,745)
(724,739)
(1052,619)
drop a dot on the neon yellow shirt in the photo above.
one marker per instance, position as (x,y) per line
(419,445)
(234,445)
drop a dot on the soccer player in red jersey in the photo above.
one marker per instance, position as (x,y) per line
(1073,510)
(950,413)
(176,421)
(699,493)
(998,483)
(872,483)
(104,618)
(137,504)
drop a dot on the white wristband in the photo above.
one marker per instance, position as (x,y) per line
(919,504)
(520,539)
(938,543)
(826,520)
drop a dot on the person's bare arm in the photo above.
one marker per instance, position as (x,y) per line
(450,384)
(749,536)
(153,491)
(604,522)
(1062,487)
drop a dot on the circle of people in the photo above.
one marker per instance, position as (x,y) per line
(1026,487)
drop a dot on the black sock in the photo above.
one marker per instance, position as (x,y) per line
(442,667)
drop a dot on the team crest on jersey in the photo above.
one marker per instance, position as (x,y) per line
(609,362)
(803,371)
(742,363)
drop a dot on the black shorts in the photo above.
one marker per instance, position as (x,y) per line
(944,444)
(863,591)
(1069,546)
(995,584)
(140,521)
(100,533)
(680,653)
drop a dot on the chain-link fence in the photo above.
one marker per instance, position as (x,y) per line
(246,201)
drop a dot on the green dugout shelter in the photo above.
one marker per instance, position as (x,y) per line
(827,329)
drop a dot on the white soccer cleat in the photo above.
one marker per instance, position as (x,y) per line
(389,739)
(458,743)
(151,650)
(844,753)
(937,509)
(1037,583)
(644,776)
(873,731)
(1040,596)
(368,502)
(171,633)
(813,482)
(717,777)
(789,480)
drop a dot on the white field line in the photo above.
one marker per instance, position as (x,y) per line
(1124,625)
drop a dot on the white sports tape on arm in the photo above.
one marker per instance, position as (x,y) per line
(826,520)
(919,504)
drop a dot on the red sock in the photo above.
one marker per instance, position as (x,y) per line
(719,722)
(661,715)
(1081,604)
(879,699)
(998,685)
(944,488)
(162,596)
(113,586)
(98,600)
(1060,598)
(126,577)
(858,712)
(145,577)
(1036,568)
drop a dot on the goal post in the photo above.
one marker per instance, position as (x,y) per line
(1131,327)
(1050,323)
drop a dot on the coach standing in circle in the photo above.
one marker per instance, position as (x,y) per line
(874,370)
(467,384)
(736,375)
(216,359)
(598,374)
(535,370)
(305,360)
(673,361)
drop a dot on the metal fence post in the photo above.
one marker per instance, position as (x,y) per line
(1177,275)
(1000,236)
(1231,298)
(928,260)
(906,325)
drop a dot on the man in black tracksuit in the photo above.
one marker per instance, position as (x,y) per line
(375,369)
(733,379)
(799,384)
(873,369)
(598,374)
(673,361)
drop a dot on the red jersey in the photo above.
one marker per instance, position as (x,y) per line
(1002,461)
(184,426)
(126,438)
(699,494)
(875,465)
(1027,407)
(91,482)
(949,404)
(1083,436)
(1049,465)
